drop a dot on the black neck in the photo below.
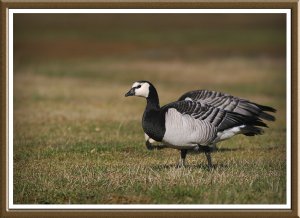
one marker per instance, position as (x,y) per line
(152,99)
(153,121)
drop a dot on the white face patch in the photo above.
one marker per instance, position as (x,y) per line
(141,89)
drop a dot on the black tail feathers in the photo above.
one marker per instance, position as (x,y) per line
(252,131)
(253,126)
(266,108)
(265,115)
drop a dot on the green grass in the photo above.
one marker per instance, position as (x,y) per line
(78,140)
(90,175)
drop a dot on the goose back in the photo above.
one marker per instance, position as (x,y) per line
(230,103)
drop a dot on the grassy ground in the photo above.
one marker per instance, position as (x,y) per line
(78,140)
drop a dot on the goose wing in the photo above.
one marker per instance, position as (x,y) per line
(218,117)
(230,103)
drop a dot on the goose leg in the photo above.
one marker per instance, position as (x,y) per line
(207,150)
(149,145)
(208,157)
(183,153)
(213,147)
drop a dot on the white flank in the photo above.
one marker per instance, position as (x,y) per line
(228,133)
(184,130)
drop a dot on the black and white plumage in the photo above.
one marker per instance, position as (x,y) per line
(199,119)
(230,103)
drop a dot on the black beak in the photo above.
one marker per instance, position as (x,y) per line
(130,92)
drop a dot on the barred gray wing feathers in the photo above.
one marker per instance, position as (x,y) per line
(219,118)
(230,103)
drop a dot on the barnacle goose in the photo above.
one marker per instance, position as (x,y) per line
(198,120)
(223,101)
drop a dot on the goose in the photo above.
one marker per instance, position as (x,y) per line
(191,125)
(223,101)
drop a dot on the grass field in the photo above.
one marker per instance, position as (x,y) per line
(78,140)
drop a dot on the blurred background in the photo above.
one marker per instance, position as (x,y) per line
(226,52)
(71,72)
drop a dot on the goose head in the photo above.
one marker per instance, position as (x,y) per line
(146,90)
(140,89)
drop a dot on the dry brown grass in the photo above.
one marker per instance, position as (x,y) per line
(78,140)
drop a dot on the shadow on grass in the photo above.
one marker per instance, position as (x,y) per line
(202,166)
(205,166)
(228,149)
(216,150)
(269,148)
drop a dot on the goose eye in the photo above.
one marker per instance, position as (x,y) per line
(139,86)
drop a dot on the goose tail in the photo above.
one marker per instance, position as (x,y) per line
(252,131)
